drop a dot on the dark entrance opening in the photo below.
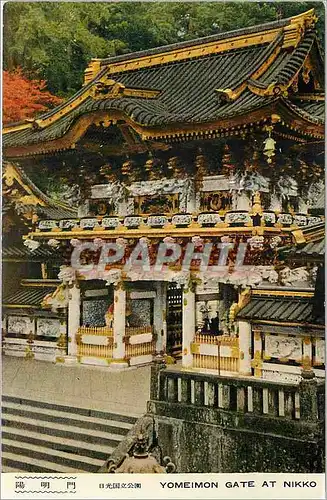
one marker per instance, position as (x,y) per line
(174,321)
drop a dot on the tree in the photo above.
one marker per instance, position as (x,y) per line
(56,40)
(24,98)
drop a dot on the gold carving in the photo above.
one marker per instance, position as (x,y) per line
(256,207)
(257,336)
(235,352)
(92,70)
(110,89)
(256,363)
(195,348)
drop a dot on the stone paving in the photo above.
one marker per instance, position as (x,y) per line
(84,386)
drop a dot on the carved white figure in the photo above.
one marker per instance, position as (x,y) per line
(32,245)
(67,274)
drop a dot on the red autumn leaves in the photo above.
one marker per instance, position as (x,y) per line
(24,98)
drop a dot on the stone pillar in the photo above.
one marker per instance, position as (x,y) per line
(74,308)
(119,327)
(157,366)
(188,325)
(244,333)
(307,353)
(308,396)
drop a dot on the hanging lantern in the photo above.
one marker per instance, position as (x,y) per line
(269,147)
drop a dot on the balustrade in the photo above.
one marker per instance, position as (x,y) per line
(143,349)
(223,340)
(96,330)
(97,351)
(217,363)
(138,330)
(244,395)
(214,219)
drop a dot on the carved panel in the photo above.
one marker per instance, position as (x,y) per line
(319,352)
(48,327)
(101,206)
(21,325)
(162,203)
(141,312)
(93,312)
(216,200)
(283,347)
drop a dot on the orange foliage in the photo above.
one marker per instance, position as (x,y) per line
(24,98)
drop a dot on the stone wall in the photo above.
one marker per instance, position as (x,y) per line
(202,437)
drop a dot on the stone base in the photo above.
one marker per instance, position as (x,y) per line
(119,365)
(66,360)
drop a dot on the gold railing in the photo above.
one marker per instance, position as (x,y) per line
(98,351)
(217,363)
(224,340)
(140,349)
(96,330)
(138,330)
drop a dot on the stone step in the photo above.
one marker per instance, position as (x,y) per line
(58,443)
(66,417)
(44,427)
(46,437)
(62,458)
(129,419)
(6,468)
(29,464)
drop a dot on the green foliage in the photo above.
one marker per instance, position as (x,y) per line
(56,40)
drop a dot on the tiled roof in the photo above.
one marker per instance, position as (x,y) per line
(309,242)
(312,249)
(282,309)
(52,209)
(188,87)
(19,251)
(28,295)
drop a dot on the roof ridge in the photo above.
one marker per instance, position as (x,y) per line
(211,38)
(51,202)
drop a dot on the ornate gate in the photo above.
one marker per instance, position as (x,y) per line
(174,321)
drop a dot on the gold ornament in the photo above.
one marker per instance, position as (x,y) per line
(269,146)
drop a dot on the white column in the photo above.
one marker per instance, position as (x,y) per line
(244,333)
(119,327)
(192,196)
(188,325)
(74,305)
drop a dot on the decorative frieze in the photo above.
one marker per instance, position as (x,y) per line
(238,218)
(181,220)
(133,221)
(68,224)
(88,223)
(209,219)
(110,222)
(157,220)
